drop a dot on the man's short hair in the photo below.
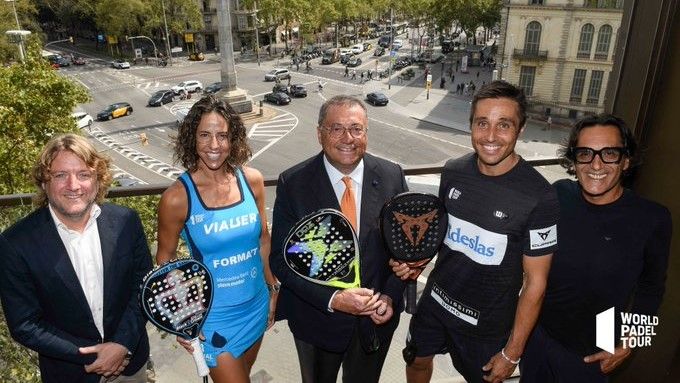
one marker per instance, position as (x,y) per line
(83,149)
(501,89)
(344,100)
(627,138)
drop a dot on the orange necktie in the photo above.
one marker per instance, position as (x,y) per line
(347,204)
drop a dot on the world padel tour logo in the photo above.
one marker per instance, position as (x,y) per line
(637,330)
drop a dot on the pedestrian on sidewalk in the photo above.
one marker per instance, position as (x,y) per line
(477,74)
(354,74)
(362,77)
(442,82)
(453,78)
(346,71)
(370,74)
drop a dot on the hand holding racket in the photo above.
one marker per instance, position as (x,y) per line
(176,298)
(413,226)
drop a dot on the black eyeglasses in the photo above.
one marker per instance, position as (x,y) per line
(584,155)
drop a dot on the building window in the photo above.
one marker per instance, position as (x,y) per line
(533,38)
(577,85)
(535,2)
(242,21)
(595,86)
(585,42)
(526,79)
(603,3)
(604,37)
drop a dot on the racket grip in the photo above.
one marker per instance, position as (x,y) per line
(411,296)
(201,367)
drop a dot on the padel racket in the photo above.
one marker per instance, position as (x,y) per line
(413,226)
(176,298)
(323,248)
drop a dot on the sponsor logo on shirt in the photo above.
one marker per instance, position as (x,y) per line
(229,224)
(454,193)
(500,215)
(480,245)
(456,308)
(234,259)
(542,238)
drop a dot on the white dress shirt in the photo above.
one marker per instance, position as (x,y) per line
(85,251)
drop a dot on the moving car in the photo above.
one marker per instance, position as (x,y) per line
(213,88)
(297,90)
(377,99)
(112,111)
(188,86)
(83,120)
(79,61)
(397,44)
(384,41)
(379,51)
(354,61)
(368,46)
(357,48)
(63,62)
(330,56)
(278,98)
(280,73)
(161,97)
(120,64)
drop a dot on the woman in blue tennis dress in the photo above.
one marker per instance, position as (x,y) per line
(217,207)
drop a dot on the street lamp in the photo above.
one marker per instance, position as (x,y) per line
(17,37)
(257,37)
(155,51)
(21,42)
(70,39)
(167,35)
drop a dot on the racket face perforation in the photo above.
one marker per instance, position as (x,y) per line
(323,248)
(413,226)
(176,297)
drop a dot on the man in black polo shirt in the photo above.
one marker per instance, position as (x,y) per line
(502,233)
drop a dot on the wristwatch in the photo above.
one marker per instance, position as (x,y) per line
(274,288)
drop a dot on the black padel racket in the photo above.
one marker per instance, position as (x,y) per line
(413,226)
(323,248)
(176,298)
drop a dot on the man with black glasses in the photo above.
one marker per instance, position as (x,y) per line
(614,248)
(333,327)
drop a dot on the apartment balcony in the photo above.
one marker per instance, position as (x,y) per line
(529,54)
(209,11)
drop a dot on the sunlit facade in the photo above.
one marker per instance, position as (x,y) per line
(561,52)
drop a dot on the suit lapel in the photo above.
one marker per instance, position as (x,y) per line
(321,186)
(107,226)
(54,252)
(370,192)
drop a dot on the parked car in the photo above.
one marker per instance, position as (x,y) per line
(280,88)
(278,98)
(277,73)
(345,59)
(63,62)
(161,97)
(429,56)
(345,52)
(189,86)
(79,61)
(377,99)
(354,61)
(297,90)
(112,111)
(357,48)
(384,41)
(379,51)
(398,43)
(83,120)
(213,88)
(120,64)
(367,46)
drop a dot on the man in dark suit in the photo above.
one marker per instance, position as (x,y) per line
(331,327)
(70,272)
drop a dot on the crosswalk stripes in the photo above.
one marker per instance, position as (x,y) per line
(273,130)
(153,164)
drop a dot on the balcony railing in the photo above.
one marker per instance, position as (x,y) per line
(156,189)
(530,54)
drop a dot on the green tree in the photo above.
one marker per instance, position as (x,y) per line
(35,103)
(26,13)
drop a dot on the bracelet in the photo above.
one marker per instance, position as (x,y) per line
(274,288)
(515,362)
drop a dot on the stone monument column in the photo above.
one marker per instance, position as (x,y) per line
(236,97)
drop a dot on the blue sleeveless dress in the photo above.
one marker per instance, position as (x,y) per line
(227,240)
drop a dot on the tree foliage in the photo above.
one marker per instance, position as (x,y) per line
(26,13)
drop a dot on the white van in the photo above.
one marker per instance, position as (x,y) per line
(357,48)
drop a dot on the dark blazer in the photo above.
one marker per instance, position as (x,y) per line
(302,190)
(44,304)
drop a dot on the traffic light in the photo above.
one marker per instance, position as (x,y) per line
(144,139)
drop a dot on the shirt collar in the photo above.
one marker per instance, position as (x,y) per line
(94,214)
(357,175)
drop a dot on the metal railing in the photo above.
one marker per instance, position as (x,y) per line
(530,54)
(24,199)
